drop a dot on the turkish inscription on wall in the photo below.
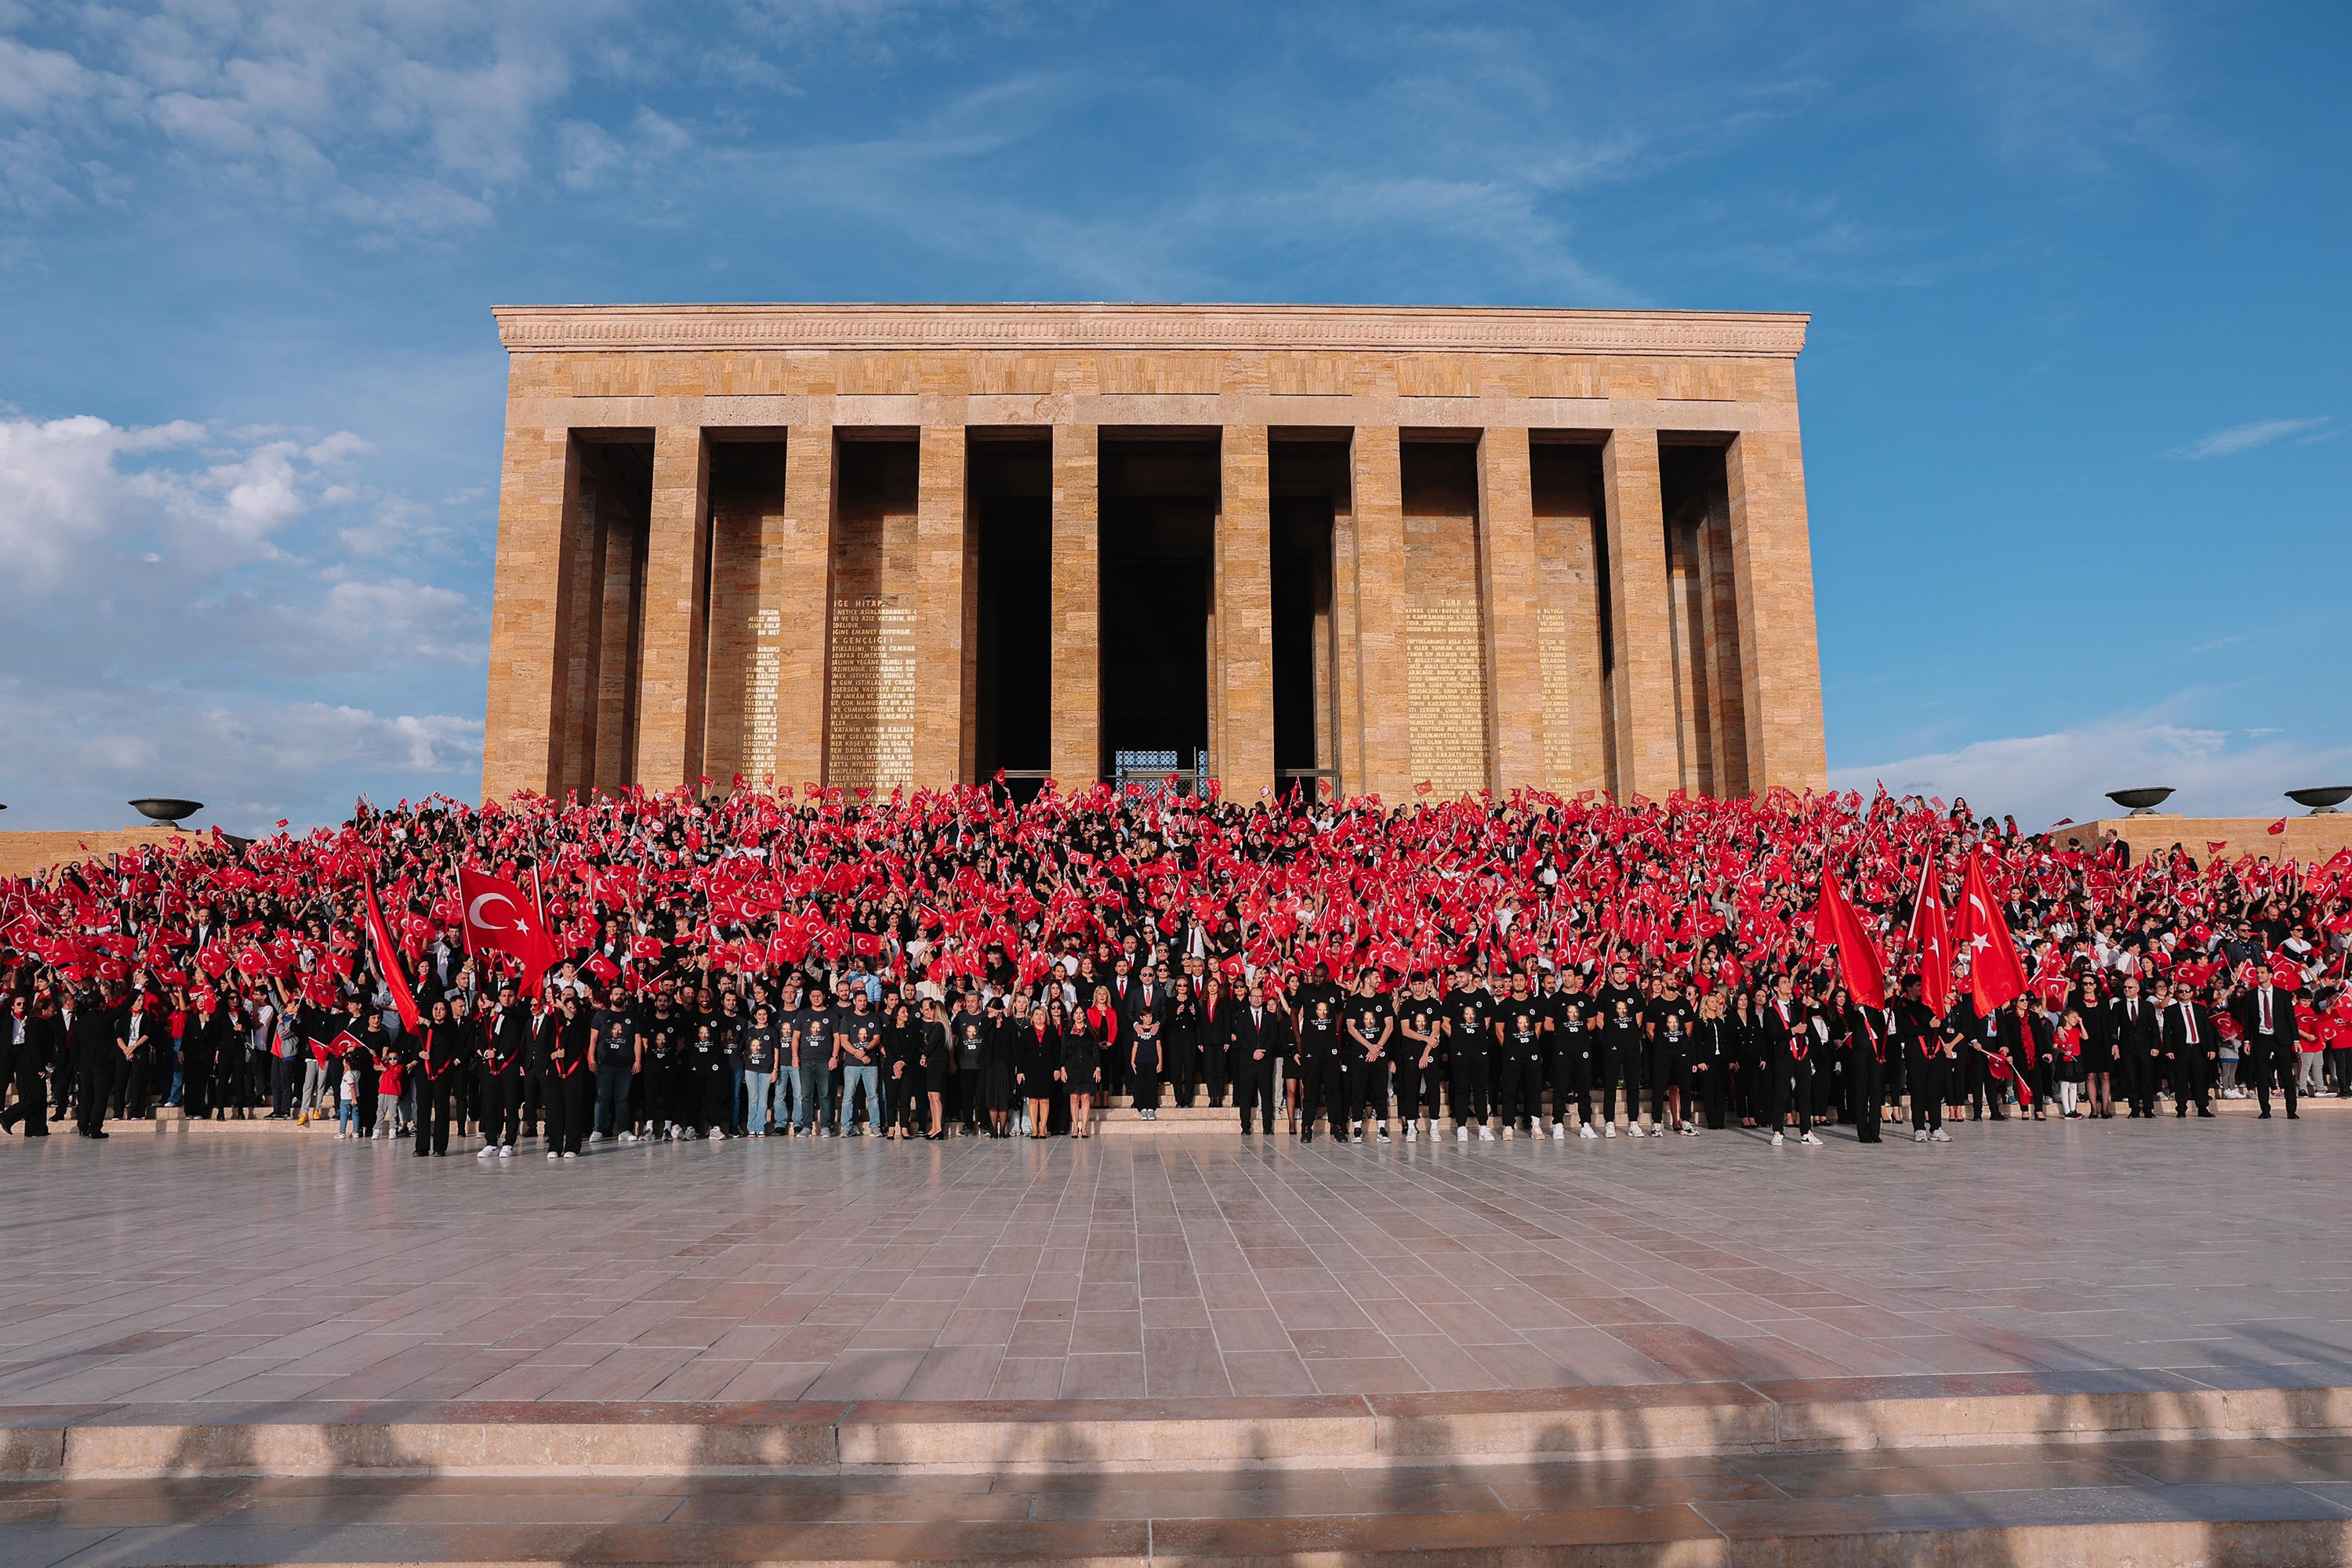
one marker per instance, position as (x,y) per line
(873,696)
(760,695)
(1445,685)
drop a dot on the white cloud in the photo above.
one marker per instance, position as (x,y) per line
(185,618)
(2237,438)
(2041,778)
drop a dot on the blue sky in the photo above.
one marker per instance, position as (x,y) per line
(2076,397)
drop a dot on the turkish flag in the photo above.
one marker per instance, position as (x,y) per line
(1931,934)
(1996,976)
(1835,924)
(500,919)
(387,959)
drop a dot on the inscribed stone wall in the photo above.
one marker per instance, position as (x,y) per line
(1568,623)
(746,633)
(1446,666)
(870,728)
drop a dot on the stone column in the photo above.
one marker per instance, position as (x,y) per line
(1378,481)
(677,595)
(1075,745)
(941,586)
(1242,744)
(1771,562)
(529,661)
(802,595)
(1642,691)
(587,534)
(1509,575)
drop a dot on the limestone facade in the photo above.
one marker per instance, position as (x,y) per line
(1407,551)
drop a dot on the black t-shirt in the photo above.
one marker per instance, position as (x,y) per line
(758,1050)
(1523,1025)
(616,1039)
(817,1025)
(1318,1038)
(971,1034)
(665,1038)
(1368,1016)
(1423,1013)
(863,1030)
(1472,1015)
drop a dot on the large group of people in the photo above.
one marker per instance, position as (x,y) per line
(837,963)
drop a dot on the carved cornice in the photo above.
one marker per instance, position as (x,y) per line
(641,329)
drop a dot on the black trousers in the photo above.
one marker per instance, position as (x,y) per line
(570,1105)
(1519,1096)
(2274,1061)
(1571,1081)
(1410,1080)
(2139,1069)
(1253,1086)
(535,1083)
(1368,1090)
(98,1085)
(32,1107)
(1865,1084)
(1926,1075)
(1621,1066)
(2190,1079)
(1793,1084)
(501,1106)
(1472,1090)
(1707,1085)
(435,1105)
(1322,1087)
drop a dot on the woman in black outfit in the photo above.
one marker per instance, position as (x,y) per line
(1082,1068)
(937,1055)
(1000,1072)
(1211,1035)
(1040,1048)
(902,1070)
(1180,1040)
(1143,1063)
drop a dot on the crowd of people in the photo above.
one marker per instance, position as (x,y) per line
(837,963)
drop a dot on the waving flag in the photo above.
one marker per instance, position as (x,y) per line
(499,917)
(1995,974)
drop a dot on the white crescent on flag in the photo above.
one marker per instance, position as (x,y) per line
(474,910)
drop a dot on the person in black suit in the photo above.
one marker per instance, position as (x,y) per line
(2192,1052)
(1252,1047)
(97,1054)
(2134,1034)
(2267,1034)
(23,1053)
(1788,1053)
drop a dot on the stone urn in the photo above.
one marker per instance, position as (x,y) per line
(158,809)
(2140,802)
(2324,800)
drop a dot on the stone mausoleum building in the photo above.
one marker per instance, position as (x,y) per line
(881,545)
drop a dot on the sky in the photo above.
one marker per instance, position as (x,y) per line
(2076,397)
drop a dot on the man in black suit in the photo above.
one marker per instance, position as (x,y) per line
(2192,1052)
(1253,1046)
(2267,1034)
(96,1055)
(2132,1026)
(24,1052)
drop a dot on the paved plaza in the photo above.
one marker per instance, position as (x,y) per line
(212,1266)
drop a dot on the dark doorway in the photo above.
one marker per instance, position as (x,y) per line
(1158,527)
(1309,480)
(1011,498)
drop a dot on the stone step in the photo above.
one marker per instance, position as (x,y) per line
(2022,1507)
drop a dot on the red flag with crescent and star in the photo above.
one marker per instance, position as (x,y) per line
(1995,974)
(501,918)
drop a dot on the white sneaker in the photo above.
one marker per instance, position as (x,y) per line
(1809,1138)
(1585,1130)
(487,1151)
(1558,1131)
(553,1155)
(1413,1135)
(1486,1135)
(1688,1132)
(1777,1139)
(1940,1136)
(1461,1135)
(572,1154)
(718,1135)
(627,1138)
(595,1137)
(1510,1133)
(1384,1136)
(506,1151)
(1609,1129)
(1921,1137)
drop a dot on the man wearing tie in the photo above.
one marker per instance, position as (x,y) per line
(2133,1029)
(2266,1025)
(2190,1048)
(1250,1049)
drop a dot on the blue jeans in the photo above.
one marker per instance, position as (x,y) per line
(813,1081)
(760,1087)
(851,1077)
(612,1103)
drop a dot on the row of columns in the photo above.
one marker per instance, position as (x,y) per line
(1778,711)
